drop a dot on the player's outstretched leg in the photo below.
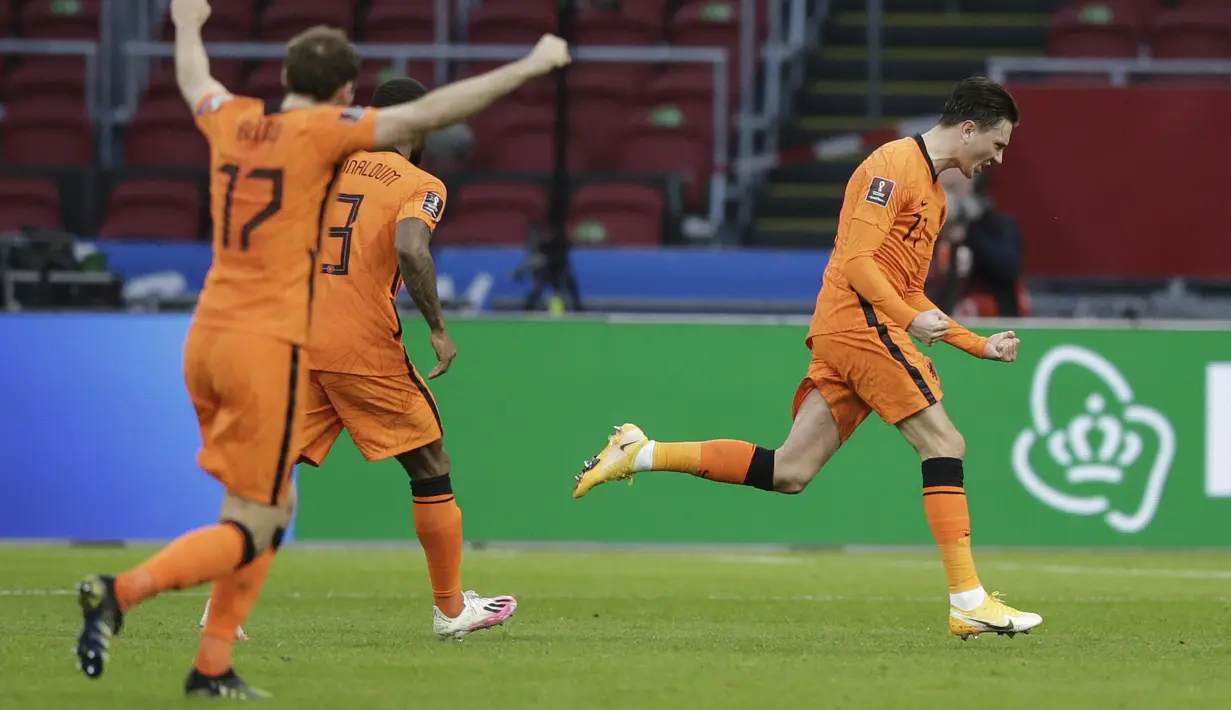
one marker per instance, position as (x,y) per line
(191,559)
(813,440)
(972,611)
(438,525)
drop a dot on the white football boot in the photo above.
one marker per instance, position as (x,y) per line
(477,613)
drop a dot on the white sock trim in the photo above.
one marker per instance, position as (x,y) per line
(645,458)
(966,601)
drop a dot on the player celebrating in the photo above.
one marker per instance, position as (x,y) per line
(272,170)
(863,359)
(361,377)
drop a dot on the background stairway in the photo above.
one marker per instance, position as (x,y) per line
(927,47)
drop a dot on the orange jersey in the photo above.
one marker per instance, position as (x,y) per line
(357,326)
(270,177)
(891,214)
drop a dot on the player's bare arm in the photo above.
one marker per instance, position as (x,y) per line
(191,62)
(412,241)
(459,100)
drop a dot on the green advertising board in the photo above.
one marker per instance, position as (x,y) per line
(1093,437)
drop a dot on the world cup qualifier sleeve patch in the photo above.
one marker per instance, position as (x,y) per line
(432,204)
(880,190)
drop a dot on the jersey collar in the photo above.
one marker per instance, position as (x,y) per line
(924,149)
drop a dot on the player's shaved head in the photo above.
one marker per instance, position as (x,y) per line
(319,62)
(982,101)
(397,91)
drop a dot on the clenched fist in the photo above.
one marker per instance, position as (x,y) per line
(929,326)
(549,54)
(189,13)
(1002,347)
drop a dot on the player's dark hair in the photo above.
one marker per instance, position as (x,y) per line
(397,91)
(981,100)
(319,61)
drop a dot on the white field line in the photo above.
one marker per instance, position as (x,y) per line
(712,596)
(1079,570)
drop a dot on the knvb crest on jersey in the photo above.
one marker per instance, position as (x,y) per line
(1114,442)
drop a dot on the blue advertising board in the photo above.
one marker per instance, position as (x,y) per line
(785,279)
(98,435)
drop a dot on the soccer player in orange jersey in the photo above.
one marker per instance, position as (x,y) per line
(379,231)
(273,170)
(863,359)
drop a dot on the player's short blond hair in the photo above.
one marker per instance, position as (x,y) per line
(320,61)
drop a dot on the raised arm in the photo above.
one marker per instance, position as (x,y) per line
(459,100)
(191,63)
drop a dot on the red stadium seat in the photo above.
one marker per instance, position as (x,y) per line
(1201,33)
(229,21)
(511,22)
(47,132)
(162,210)
(494,213)
(400,22)
(6,22)
(604,97)
(629,28)
(47,76)
(162,86)
(526,200)
(286,18)
(690,88)
(29,203)
(649,148)
(714,23)
(484,228)
(265,82)
(163,134)
(492,128)
(375,72)
(53,19)
(617,214)
(531,147)
(1116,33)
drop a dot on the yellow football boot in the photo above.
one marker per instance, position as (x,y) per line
(615,462)
(991,615)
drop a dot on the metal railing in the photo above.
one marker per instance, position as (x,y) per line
(1118,70)
(400,55)
(783,53)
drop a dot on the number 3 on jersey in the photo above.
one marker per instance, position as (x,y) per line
(344,233)
(271,208)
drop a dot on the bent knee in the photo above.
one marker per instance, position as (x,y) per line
(791,476)
(426,462)
(263,526)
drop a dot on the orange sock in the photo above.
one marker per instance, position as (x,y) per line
(944,502)
(191,559)
(438,524)
(230,602)
(722,460)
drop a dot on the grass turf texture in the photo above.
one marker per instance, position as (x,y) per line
(340,628)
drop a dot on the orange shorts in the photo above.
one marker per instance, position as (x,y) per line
(872,369)
(385,416)
(248,391)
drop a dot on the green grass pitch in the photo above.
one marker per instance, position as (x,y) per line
(644,630)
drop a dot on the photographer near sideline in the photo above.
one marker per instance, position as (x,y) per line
(977,265)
